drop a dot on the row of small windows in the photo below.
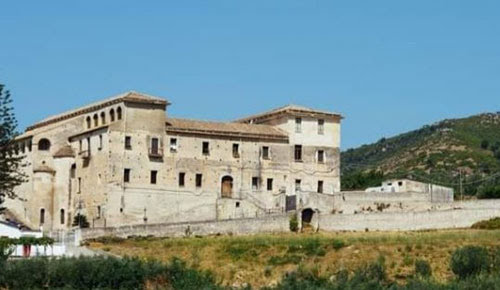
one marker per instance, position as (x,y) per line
(102,118)
(320,126)
(256,181)
(205,149)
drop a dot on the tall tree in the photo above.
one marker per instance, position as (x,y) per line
(10,163)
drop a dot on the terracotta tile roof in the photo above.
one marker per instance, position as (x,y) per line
(130,96)
(296,109)
(65,151)
(224,129)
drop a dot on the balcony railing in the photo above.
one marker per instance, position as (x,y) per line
(156,152)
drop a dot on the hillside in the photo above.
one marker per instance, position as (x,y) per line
(434,153)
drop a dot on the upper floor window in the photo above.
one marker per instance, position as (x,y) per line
(199,179)
(62,216)
(320,186)
(126,175)
(73,171)
(321,156)
(153,176)
(265,152)
(96,120)
(100,142)
(269,184)
(255,183)
(173,144)
(298,153)
(128,142)
(321,126)
(112,115)
(298,185)
(103,118)
(119,113)
(298,125)
(236,150)
(44,145)
(89,122)
(182,179)
(205,148)
(155,146)
(42,216)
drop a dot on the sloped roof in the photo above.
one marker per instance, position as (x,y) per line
(131,96)
(225,129)
(44,168)
(296,109)
(65,151)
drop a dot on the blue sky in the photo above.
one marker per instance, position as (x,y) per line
(388,66)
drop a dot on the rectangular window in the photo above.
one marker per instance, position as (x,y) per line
(199,178)
(320,186)
(255,183)
(128,142)
(236,150)
(321,126)
(153,176)
(269,184)
(298,184)
(88,145)
(206,148)
(321,156)
(126,175)
(298,153)
(298,125)
(182,177)
(79,184)
(100,142)
(80,146)
(155,146)
(98,212)
(173,144)
(265,152)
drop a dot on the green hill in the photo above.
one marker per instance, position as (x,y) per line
(434,153)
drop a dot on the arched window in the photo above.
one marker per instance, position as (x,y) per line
(119,113)
(42,216)
(96,120)
(62,216)
(43,145)
(227,187)
(112,115)
(88,123)
(103,118)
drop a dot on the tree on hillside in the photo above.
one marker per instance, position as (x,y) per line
(10,164)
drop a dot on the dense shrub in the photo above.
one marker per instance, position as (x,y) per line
(294,223)
(423,269)
(489,192)
(491,224)
(80,221)
(469,261)
(101,273)
(338,244)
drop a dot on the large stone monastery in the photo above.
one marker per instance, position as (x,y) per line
(124,161)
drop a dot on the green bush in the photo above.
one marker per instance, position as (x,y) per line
(423,268)
(101,273)
(338,244)
(294,223)
(491,224)
(489,192)
(469,261)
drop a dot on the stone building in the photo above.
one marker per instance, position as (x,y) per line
(123,161)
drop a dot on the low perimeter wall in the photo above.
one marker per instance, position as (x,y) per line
(271,224)
(458,215)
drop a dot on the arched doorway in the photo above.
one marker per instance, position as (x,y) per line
(227,187)
(307,215)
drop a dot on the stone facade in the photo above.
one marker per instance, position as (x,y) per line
(123,161)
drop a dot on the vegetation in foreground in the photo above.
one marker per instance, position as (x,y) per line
(263,260)
(474,267)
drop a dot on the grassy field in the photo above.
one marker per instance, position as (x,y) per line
(262,260)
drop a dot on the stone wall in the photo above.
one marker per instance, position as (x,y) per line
(274,224)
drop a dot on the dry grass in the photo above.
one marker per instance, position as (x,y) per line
(263,259)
